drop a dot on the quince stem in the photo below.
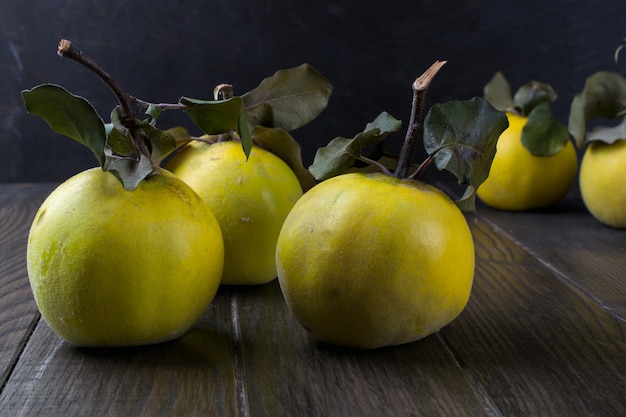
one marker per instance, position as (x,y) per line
(223,92)
(67,50)
(415,131)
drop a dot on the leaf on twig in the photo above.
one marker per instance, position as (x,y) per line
(461,138)
(531,95)
(282,144)
(217,117)
(154,111)
(542,134)
(130,165)
(338,156)
(604,96)
(129,171)
(498,93)
(289,99)
(164,142)
(69,115)
(213,117)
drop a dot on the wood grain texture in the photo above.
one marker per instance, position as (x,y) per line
(535,343)
(18,312)
(288,374)
(567,239)
(191,376)
(531,342)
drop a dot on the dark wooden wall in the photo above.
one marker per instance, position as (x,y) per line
(370,50)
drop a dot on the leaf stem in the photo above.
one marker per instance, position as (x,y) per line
(371,162)
(422,167)
(415,131)
(429,160)
(163,106)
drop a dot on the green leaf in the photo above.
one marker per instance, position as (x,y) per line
(213,117)
(577,123)
(154,111)
(69,115)
(334,159)
(542,134)
(385,124)
(498,93)
(282,144)
(461,138)
(116,120)
(533,94)
(129,164)
(604,96)
(122,159)
(244,134)
(608,134)
(467,202)
(119,143)
(163,142)
(128,170)
(180,134)
(289,99)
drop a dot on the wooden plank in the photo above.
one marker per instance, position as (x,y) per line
(537,345)
(287,374)
(190,376)
(531,342)
(515,365)
(569,240)
(18,312)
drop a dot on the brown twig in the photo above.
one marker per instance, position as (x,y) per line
(162,106)
(415,131)
(223,91)
(67,50)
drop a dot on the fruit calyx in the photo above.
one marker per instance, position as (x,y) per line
(542,134)
(459,136)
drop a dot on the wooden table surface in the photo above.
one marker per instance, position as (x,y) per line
(542,335)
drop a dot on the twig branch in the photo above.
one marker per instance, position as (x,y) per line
(163,106)
(415,131)
(67,50)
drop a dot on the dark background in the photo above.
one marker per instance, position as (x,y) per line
(371,51)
